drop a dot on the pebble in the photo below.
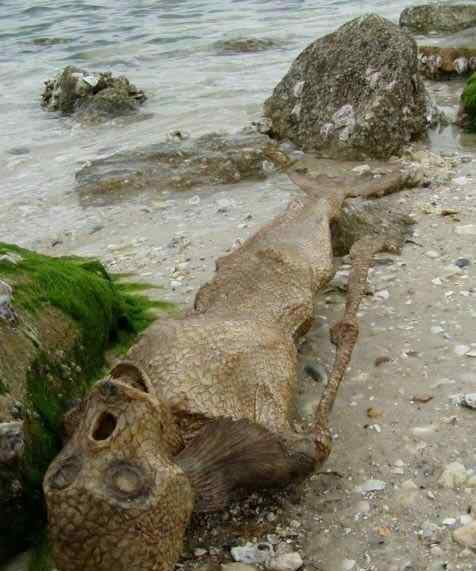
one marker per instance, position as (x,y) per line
(253,553)
(362,170)
(449,521)
(287,562)
(194,200)
(469,401)
(454,475)
(466,536)
(432,254)
(371,486)
(200,552)
(461,350)
(423,431)
(462,262)
(348,564)
(382,294)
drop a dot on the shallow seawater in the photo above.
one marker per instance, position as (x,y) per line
(166,47)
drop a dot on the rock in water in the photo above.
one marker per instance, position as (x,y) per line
(442,63)
(438,17)
(92,94)
(353,94)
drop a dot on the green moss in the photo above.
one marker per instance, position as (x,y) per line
(108,313)
(469,102)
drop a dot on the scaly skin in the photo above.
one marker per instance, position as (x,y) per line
(202,406)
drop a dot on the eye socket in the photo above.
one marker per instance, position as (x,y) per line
(65,473)
(105,426)
(127,482)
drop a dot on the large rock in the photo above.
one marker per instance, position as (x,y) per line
(428,18)
(353,94)
(92,95)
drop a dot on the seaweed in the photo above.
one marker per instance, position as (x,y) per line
(468,99)
(108,313)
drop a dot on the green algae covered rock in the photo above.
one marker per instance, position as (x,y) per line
(467,110)
(58,317)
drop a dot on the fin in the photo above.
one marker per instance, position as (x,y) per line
(227,455)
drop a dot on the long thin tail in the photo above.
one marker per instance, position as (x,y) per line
(344,334)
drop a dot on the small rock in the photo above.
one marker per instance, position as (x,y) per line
(381,360)
(382,294)
(454,475)
(348,564)
(362,170)
(466,536)
(253,553)
(374,412)
(199,552)
(469,401)
(287,562)
(449,521)
(7,311)
(194,200)
(462,262)
(471,353)
(371,486)
(432,254)
(461,350)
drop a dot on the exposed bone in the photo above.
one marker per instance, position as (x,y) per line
(202,408)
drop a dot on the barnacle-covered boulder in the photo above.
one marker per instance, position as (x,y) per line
(353,94)
(91,95)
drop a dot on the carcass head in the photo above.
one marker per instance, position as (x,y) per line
(115,498)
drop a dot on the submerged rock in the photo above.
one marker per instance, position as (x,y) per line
(467,110)
(438,17)
(92,95)
(353,94)
(245,45)
(443,63)
(181,165)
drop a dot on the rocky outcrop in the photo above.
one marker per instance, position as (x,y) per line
(438,17)
(181,164)
(442,63)
(57,318)
(467,110)
(91,95)
(353,94)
